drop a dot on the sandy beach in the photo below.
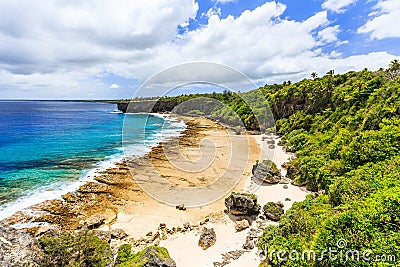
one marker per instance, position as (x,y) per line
(229,245)
(205,154)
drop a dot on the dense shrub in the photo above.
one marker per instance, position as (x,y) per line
(352,151)
(83,248)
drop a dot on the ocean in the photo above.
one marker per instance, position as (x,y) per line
(49,148)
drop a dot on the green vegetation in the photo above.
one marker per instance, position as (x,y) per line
(253,197)
(146,257)
(244,109)
(345,131)
(346,136)
(273,208)
(83,248)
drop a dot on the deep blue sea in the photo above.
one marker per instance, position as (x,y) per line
(48,148)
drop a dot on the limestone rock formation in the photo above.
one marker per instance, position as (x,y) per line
(17,248)
(93,221)
(242,204)
(118,234)
(273,211)
(207,238)
(267,172)
(152,256)
(241,225)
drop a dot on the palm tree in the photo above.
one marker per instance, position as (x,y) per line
(394,65)
(314,75)
(394,69)
(330,73)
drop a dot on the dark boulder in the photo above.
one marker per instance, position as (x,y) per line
(242,204)
(118,234)
(267,172)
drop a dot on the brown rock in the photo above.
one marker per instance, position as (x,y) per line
(241,225)
(106,179)
(273,211)
(93,221)
(69,197)
(104,235)
(207,238)
(118,234)
(242,204)
(91,187)
(51,230)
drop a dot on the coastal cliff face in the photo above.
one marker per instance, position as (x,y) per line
(147,106)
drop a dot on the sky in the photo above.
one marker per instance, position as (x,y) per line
(92,49)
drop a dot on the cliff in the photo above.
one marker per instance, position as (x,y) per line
(148,106)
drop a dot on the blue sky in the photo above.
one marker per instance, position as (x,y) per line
(107,49)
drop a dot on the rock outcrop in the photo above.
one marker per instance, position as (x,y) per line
(273,211)
(152,256)
(291,170)
(156,257)
(17,248)
(267,172)
(241,225)
(207,238)
(118,234)
(93,221)
(242,204)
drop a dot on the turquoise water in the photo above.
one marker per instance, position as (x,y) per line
(49,148)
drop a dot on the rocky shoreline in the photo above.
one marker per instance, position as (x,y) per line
(117,210)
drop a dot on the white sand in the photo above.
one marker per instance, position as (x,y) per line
(183,247)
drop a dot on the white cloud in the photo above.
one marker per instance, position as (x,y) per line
(337,6)
(65,49)
(384,21)
(225,1)
(76,33)
(212,11)
(329,34)
(114,86)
